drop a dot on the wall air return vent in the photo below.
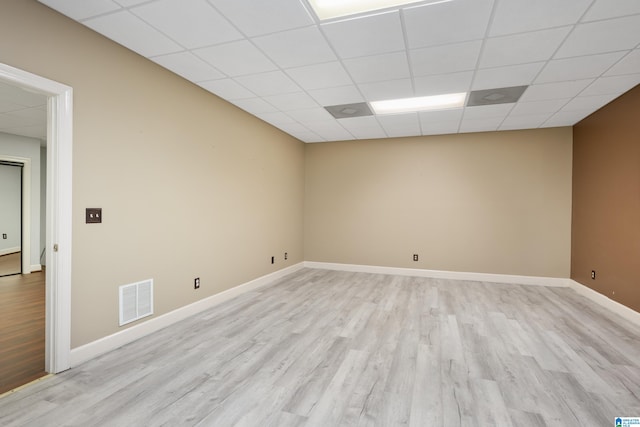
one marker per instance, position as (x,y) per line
(136,301)
(501,95)
(345,111)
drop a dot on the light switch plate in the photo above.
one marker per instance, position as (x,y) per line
(94,215)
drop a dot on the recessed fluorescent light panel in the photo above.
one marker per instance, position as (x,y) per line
(423,103)
(329,9)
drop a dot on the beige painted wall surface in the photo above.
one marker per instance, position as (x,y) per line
(190,186)
(495,202)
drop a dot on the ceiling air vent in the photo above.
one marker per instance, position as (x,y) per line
(345,111)
(501,95)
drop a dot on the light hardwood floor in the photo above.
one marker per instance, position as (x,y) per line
(325,348)
(10,264)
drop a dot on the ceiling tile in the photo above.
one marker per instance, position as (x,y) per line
(389,66)
(7,106)
(291,101)
(81,9)
(369,35)
(446,23)
(330,130)
(188,66)
(628,65)
(129,3)
(279,118)
(516,16)
(589,102)
(559,90)
(487,112)
(133,33)
(440,128)
(566,118)
(612,85)
(390,89)
(445,59)
(258,17)
(443,83)
(480,125)
(538,107)
(311,115)
(337,95)
(295,48)
(363,127)
(513,75)
(254,105)
(522,48)
(582,67)
(195,26)
(227,89)
(603,36)
(431,117)
(397,125)
(271,83)
(524,122)
(604,9)
(21,97)
(236,58)
(319,76)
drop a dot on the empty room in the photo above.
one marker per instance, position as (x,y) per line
(319,213)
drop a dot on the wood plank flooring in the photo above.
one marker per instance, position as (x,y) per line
(326,348)
(10,264)
(22,319)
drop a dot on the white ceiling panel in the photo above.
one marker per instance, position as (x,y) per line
(389,66)
(516,16)
(189,66)
(390,89)
(337,95)
(255,106)
(236,58)
(513,75)
(291,101)
(612,85)
(195,26)
(295,48)
(258,17)
(582,67)
(369,35)
(272,56)
(541,92)
(604,9)
(133,33)
(603,36)
(443,83)
(227,89)
(319,76)
(267,84)
(630,64)
(82,9)
(446,23)
(522,48)
(445,59)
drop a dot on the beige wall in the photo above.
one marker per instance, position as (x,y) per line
(606,201)
(190,186)
(485,202)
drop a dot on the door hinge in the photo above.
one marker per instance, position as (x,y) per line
(55,247)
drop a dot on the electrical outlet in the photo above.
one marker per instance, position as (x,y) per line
(415,257)
(273,260)
(593,274)
(286,256)
(4,235)
(196,283)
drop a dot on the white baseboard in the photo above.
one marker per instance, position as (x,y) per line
(36,267)
(439,274)
(9,251)
(620,309)
(93,349)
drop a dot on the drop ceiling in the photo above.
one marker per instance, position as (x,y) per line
(23,113)
(276,60)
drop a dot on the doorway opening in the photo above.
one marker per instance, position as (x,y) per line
(11,197)
(58,212)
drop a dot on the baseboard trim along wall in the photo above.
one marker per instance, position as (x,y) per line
(622,310)
(36,267)
(9,251)
(440,274)
(96,348)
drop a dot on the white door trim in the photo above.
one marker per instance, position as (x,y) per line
(25,238)
(58,211)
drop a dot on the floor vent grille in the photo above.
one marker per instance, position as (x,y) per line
(136,301)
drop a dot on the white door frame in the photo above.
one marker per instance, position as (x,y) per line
(58,212)
(25,229)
